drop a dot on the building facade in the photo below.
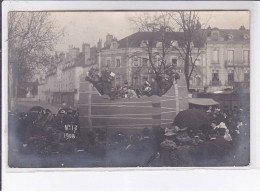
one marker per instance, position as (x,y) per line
(128,59)
(62,81)
(223,62)
(228,58)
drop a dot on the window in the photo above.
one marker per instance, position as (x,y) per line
(215,56)
(144,43)
(230,77)
(118,80)
(191,81)
(197,62)
(174,61)
(174,43)
(159,44)
(246,57)
(215,35)
(215,76)
(118,62)
(246,77)
(158,61)
(135,62)
(144,61)
(230,37)
(196,81)
(136,80)
(230,57)
(108,62)
(114,45)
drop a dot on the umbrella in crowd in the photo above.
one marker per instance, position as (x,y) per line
(192,119)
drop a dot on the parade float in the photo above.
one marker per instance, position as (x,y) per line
(98,111)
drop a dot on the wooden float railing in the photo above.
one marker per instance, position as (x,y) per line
(96,111)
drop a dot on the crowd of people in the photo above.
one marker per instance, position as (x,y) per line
(158,85)
(40,131)
(224,142)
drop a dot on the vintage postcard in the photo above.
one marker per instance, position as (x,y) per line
(128,89)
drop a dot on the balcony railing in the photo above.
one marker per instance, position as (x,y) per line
(236,64)
(215,83)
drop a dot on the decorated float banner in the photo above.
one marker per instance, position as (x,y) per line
(99,111)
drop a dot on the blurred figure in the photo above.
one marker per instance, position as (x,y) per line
(168,154)
(216,149)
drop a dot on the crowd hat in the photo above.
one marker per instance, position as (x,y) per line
(112,74)
(176,128)
(222,125)
(169,133)
(167,130)
(183,138)
(184,129)
(168,144)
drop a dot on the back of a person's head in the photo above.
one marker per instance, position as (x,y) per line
(146,132)
(221,131)
(64,104)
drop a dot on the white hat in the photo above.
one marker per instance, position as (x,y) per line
(112,74)
(170,133)
(167,130)
(222,125)
(176,128)
(147,89)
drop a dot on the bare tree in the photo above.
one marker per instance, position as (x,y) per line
(194,37)
(31,38)
(156,44)
(159,45)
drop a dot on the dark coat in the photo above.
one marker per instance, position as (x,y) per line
(216,151)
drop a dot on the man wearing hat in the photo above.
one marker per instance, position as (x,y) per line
(184,147)
(216,149)
(168,147)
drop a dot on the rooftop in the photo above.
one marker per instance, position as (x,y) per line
(135,40)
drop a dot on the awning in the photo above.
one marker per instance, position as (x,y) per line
(203,101)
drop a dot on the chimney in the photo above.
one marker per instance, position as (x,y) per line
(93,54)
(242,27)
(70,48)
(109,39)
(99,44)
(86,52)
(62,56)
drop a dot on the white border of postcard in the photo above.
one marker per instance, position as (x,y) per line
(15,174)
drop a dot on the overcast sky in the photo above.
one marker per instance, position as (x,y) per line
(89,27)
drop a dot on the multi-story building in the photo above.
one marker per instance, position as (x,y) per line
(62,81)
(228,58)
(128,58)
(223,61)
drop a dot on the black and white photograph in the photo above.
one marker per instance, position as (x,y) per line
(120,89)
